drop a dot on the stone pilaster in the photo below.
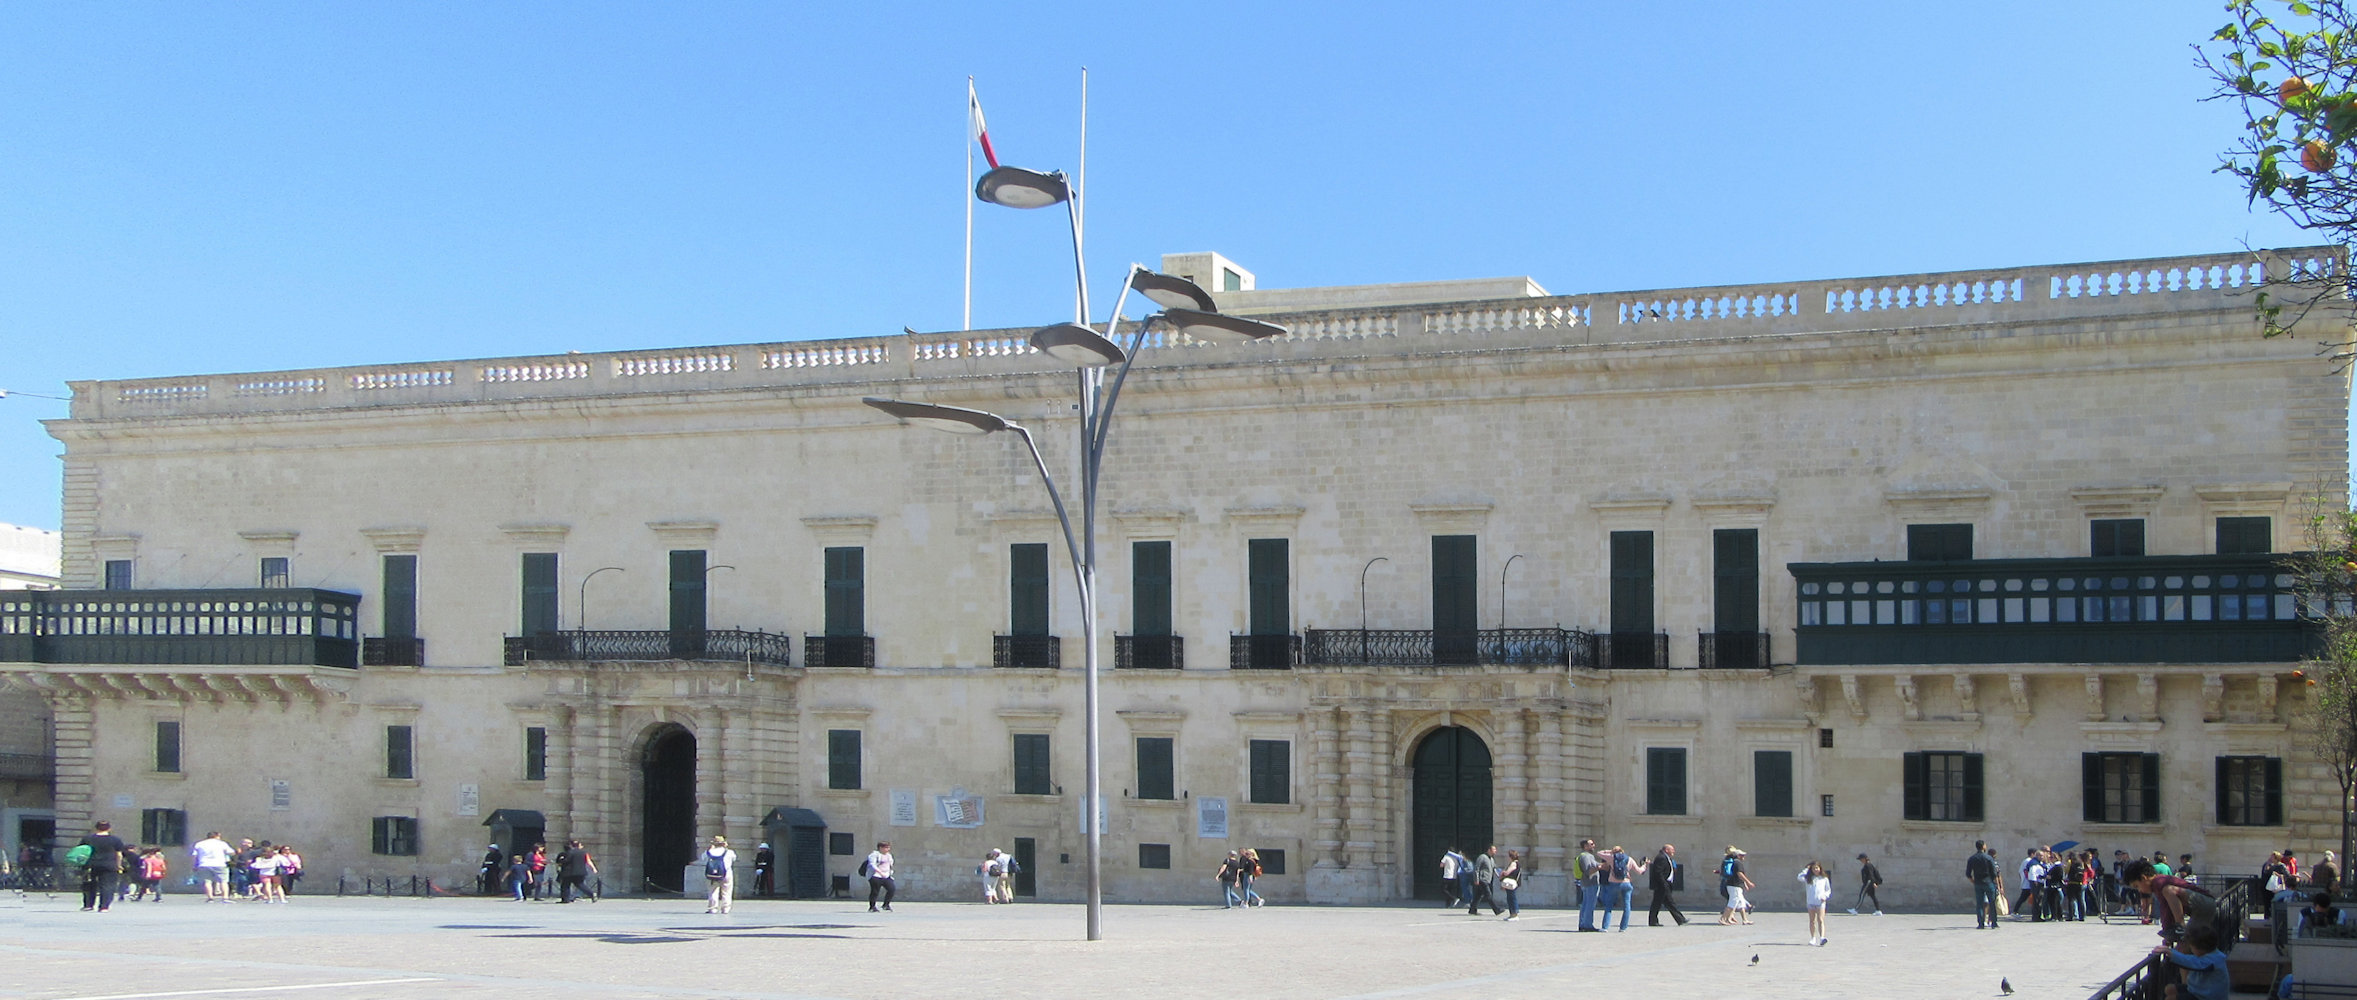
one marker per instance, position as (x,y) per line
(1549,839)
(564,780)
(76,796)
(737,769)
(1384,805)
(1358,846)
(711,772)
(1512,784)
(1583,770)
(1330,826)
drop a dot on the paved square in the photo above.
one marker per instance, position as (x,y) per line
(409,949)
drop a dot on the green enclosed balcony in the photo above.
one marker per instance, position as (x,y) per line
(257,627)
(2141,609)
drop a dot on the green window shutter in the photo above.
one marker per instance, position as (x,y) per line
(2245,535)
(380,836)
(1031,765)
(2152,788)
(1155,778)
(2091,787)
(1915,771)
(399,596)
(540,592)
(1939,542)
(535,753)
(846,591)
(843,758)
(687,590)
(1735,580)
(1272,771)
(1027,588)
(1632,582)
(1665,781)
(1270,582)
(167,747)
(2220,789)
(1973,812)
(2274,773)
(1455,584)
(398,749)
(1771,772)
(1149,602)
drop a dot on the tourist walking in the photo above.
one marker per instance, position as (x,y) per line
(290,869)
(574,867)
(539,863)
(878,871)
(1590,883)
(720,876)
(1817,890)
(1485,869)
(1663,876)
(1452,864)
(103,868)
(1735,880)
(1510,880)
(1869,884)
(1229,871)
(1987,889)
(210,856)
(988,870)
(1008,868)
(151,873)
(1620,885)
(1249,875)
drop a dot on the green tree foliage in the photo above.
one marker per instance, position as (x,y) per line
(2327,575)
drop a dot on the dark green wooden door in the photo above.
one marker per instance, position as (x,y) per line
(1450,799)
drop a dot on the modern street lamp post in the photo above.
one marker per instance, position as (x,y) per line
(583,604)
(1187,311)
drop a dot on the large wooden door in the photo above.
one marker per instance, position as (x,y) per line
(1450,798)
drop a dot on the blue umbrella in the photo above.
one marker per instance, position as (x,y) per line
(2066,845)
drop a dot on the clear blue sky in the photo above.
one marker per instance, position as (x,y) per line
(203,187)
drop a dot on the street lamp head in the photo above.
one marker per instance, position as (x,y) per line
(1074,344)
(1219,329)
(954,419)
(1016,187)
(1171,291)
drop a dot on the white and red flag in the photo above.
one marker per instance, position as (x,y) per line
(974,121)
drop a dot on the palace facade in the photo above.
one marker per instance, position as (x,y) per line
(1811,567)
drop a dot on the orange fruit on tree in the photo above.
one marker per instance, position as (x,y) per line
(2316,156)
(2291,87)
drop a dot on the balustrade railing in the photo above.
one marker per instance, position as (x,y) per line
(1445,647)
(621,645)
(1264,652)
(1632,650)
(390,651)
(2146,980)
(1149,652)
(1025,651)
(1734,650)
(839,651)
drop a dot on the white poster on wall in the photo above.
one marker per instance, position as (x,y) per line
(904,807)
(470,800)
(282,795)
(1084,814)
(957,810)
(1211,817)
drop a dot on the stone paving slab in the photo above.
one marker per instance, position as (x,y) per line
(411,949)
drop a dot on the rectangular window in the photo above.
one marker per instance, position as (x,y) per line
(1027,589)
(2115,537)
(163,827)
(2121,787)
(398,597)
(1825,803)
(1272,771)
(1632,582)
(1942,786)
(1156,775)
(398,749)
(393,836)
(842,758)
(1771,782)
(1149,588)
(1269,579)
(540,592)
(535,753)
(274,573)
(841,845)
(118,574)
(1272,860)
(1939,542)
(1456,599)
(2246,536)
(167,747)
(1735,579)
(1031,765)
(847,601)
(1154,855)
(2250,791)
(1665,780)
(1825,738)
(687,593)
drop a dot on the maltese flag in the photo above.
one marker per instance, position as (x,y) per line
(974,121)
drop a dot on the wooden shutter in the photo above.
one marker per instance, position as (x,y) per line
(1027,588)
(2274,769)
(1031,765)
(1149,593)
(1456,605)
(1972,788)
(1155,778)
(687,590)
(2152,788)
(1915,776)
(1269,579)
(843,758)
(540,592)
(399,597)
(1771,775)
(1735,580)
(1632,582)
(167,747)
(2091,787)
(1272,771)
(535,753)
(846,571)
(398,762)
(2220,791)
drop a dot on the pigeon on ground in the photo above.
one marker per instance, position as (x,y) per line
(1755,959)
(2005,985)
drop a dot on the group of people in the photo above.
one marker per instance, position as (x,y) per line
(998,871)
(1485,877)
(1607,877)
(524,877)
(1236,876)
(113,870)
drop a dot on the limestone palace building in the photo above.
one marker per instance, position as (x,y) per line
(1809,567)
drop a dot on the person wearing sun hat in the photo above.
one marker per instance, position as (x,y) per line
(1733,880)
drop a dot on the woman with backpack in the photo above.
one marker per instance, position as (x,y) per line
(1227,880)
(1247,874)
(720,876)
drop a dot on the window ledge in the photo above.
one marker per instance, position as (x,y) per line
(1775,821)
(397,783)
(2144,829)
(1034,796)
(1939,825)
(167,776)
(844,793)
(1157,803)
(1265,807)
(2253,830)
(1651,819)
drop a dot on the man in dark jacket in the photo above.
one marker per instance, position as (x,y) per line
(1869,879)
(1662,877)
(105,869)
(1987,886)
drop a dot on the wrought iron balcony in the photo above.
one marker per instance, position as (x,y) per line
(1447,647)
(839,651)
(1033,651)
(257,627)
(387,651)
(1632,650)
(1264,652)
(686,644)
(1149,652)
(2143,609)
(27,767)
(1735,650)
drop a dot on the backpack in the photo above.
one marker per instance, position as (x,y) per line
(866,870)
(993,869)
(715,866)
(79,857)
(1620,867)
(1579,870)
(1727,867)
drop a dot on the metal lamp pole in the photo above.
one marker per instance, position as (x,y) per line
(583,601)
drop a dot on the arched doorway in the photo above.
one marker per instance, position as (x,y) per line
(667,838)
(1450,796)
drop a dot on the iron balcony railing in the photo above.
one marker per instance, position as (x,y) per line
(686,644)
(1632,650)
(27,766)
(1734,650)
(1447,647)
(2135,609)
(839,651)
(1264,652)
(1033,651)
(257,627)
(390,651)
(1149,652)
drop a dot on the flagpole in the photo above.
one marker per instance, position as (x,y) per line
(969,199)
